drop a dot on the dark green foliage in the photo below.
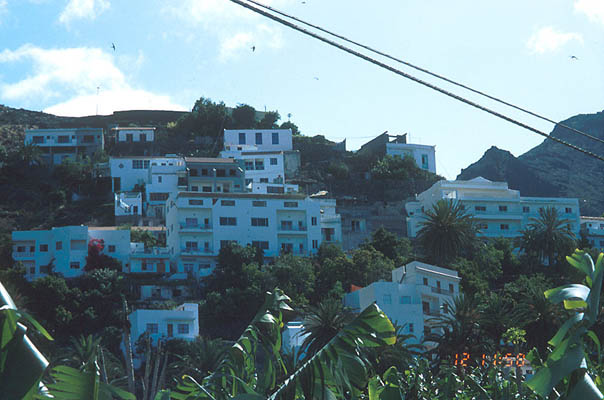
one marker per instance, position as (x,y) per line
(548,236)
(292,126)
(244,117)
(397,249)
(269,121)
(391,167)
(295,275)
(146,237)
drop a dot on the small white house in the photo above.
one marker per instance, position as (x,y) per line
(258,140)
(418,292)
(181,322)
(424,155)
(592,228)
(133,134)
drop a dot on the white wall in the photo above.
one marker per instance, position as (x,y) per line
(231,139)
(122,134)
(186,314)
(424,155)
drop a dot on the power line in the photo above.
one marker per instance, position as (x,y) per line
(427,72)
(411,77)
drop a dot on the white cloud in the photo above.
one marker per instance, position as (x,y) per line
(594,9)
(547,39)
(69,78)
(83,9)
(236,28)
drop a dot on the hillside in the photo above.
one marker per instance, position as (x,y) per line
(551,169)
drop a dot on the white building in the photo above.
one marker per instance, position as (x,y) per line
(214,175)
(181,322)
(424,155)
(331,222)
(133,134)
(199,224)
(292,338)
(258,140)
(498,210)
(592,228)
(417,293)
(64,249)
(58,145)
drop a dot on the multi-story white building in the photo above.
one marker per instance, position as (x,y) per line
(214,175)
(258,140)
(58,145)
(181,322)
(199,224)
(498,210)
(331,222)
(64,249)
(592,228)
(417,293)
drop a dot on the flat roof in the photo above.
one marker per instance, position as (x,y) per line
(133,128)
(209,160)
(291,196)
(251,153)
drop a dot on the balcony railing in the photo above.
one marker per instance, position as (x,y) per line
(23,254)
(155,251)
(294,228)
(195,226)
(194,251)
(441,290)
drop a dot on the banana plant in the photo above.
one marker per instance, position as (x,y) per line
(564,372)
(337,368)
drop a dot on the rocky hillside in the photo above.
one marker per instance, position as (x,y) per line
(551,169)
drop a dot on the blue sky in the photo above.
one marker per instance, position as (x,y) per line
(54,54)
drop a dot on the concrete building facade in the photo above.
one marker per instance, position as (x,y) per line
(58,145)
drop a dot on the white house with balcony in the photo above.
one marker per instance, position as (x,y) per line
(331,222)
(252,140)
(130,134)
(498,210)
(417,293)
(64,249)
(423,154)
(58,145)
(592,228)
(181,322)
(199,224)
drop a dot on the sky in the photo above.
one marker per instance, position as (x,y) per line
(57,56)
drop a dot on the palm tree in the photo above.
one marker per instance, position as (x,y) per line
(447,231)
(548,235)
(322,323)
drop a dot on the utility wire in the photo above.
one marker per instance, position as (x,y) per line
(411,77)
(427,71)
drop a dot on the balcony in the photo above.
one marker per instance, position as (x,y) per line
(23,254)
(291,228)
(160,252)
(441,291)
(191,251)
(330,218)
(195,227)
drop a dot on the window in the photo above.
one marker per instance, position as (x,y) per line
(159,179)
(387,299)
(424,161)
(58,245)
(188,267)
(275,137)
(74,265)
(405,299)
(232,172)
(411,328)
(503,208)
(504,227)
(88,139)
(227,203)
(241,137)
(147,266)
(259,203)
(568,210)
(287,225)
(480,208)
(258,137)
(111,248)
(206,189)
(63,139)
(445,308)
(44,247)
(183,329)
(451,289)
(190,221)
(259,165)
(425,281)
(137,164)
(191,245)
(355,225)
(204,172)
(195,202)
(38,139)
(315,244)
(263,180)
(261,244)
(193,172)
(220,172)
(313,220)
(249,165)
(483,225)
(274,189)
(228,221)
(152,328)
(273,161)
(158,196)
(259,221)
(526,209)
(290,204)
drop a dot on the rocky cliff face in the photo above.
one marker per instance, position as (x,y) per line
(551,169)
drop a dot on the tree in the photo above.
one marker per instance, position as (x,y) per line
(548,235)
(96,260)
(321,323)
(244,117)
(446,232)
(292,126)
(387,243)
(295,275)
(269,121)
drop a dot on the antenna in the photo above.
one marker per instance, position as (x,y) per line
(97,99)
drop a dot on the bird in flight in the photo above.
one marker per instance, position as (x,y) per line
(113,46)
(253,48)
(573,58)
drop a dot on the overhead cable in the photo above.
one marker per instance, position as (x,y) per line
(444,78)
(411,77)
